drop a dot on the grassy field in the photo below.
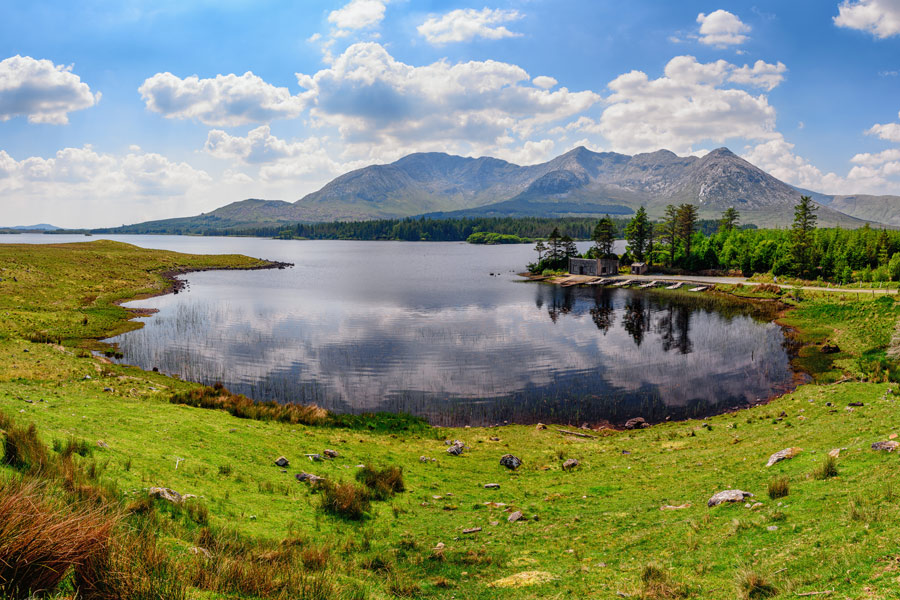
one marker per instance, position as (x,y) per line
(597,531)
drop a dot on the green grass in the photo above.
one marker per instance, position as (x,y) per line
(597,530)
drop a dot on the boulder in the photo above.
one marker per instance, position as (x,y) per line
(783,455)
(728,496)
(282,461)
(330,453)
(570,464)
(165,494)
(456,448)
(540,427)
(890,446)
(510,462)
(515,516)
(636,423)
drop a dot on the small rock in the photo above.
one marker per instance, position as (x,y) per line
(570,464)
(472,530)
(282,461)
(540,426)
(636,423)
(456,448)
(166,494)
(756,505)
(829,404)
(772,528)
(495,439)
(677,507)
(510,462)
(107,389)
(893,436)
(86,377)
(315,457)
(330,453)
(515,516)
(307,477)
(834,453)
(102,444)
(785,454)
(492,486)
(855,404)
(889,446)
(439,546)
(728,496)
(495,523)
(232,430)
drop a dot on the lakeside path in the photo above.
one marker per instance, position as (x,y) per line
(710,280)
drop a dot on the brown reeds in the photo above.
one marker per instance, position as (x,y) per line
(383,483)
(217,397)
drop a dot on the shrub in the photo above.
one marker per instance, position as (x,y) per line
(345,500)
(315,558)
(656,584)
(827,469)
(779,488)
(752,586)
(383,483)
(40,542)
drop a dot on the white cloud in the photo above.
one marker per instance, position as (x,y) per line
(544,82)
(722,28)
(462,25)
(873,160)
(226,101)
(358,14)
(375,100)
(686,106)
(81,187)
(42,91)
(279,159)
(888,131)
(761,74)
(881,18)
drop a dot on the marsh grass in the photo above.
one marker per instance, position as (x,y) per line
(827,469)
(383,483)
(779,487)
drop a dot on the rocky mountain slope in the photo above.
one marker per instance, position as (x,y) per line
(577,183)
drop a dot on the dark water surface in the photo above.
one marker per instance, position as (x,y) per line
(426,328)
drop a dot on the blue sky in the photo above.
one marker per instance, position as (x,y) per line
(114,113)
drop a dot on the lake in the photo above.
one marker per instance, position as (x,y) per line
(449,332)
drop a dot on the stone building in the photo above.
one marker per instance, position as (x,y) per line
(638,268)
(594,266)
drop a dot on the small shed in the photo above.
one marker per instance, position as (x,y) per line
(638,268)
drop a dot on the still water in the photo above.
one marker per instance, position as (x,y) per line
(447,331)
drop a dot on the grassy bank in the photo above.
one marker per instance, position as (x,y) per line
(596,531)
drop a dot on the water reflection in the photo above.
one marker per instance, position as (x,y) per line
(447,341)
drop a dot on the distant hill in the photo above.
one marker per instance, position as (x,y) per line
(39,227)
(577,183)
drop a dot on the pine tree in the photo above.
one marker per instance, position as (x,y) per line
(540,248)
(555,249)
(669,231)
(639,234)
(686,224)
(730,219)
(604,236)
(802,235)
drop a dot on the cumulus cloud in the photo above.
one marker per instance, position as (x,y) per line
(278,158)
(887,131)
(225,101)
(41,91)
(374,99)
(881,18)
(688,105)
(358,14)
(463,25)
(879,158)
(761,74)
(544,82)
(722,28)
(77,184)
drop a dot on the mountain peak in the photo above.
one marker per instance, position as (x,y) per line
(721,152)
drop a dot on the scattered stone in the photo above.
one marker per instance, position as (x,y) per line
(315,457)
(107,389)
(785,454)
(772,528)
(186,497)
(472,530)
(625,452)
(829,404)
(893,436)
(889,446)
(515,516)
(495,439)
(510,462)
(756,505)
(678,507)
(495,523)
(586,426)
(855,404)
(456,448)
(86,377)
(102,444)
(570,464)
(232,430)
(440,546)
(425,459)
(834,453)
(535,518)
(540,427)
(492,486)
(523,579)
(201,551)
(282,461)
(636,423)
(728,496)
(330,453)
(166,494)
(308,477)
(782,414)
(29,400)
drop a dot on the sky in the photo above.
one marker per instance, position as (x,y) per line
(121,112)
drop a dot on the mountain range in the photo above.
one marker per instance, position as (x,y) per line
(577,183)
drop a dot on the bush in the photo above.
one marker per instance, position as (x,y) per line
(754,587)
(779,488)
(827,469)
(382,483)
(345,500)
